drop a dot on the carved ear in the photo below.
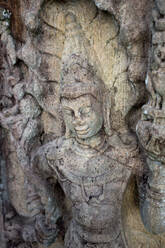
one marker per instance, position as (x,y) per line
(107,113)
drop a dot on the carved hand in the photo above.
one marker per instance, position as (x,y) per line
(12,230)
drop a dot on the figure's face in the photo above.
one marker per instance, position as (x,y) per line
(83,116)
(159,54)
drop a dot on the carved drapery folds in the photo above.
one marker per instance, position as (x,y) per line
(151,131)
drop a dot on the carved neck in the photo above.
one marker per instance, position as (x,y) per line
(95,142)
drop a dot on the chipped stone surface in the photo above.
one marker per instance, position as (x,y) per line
(113,37)
(106,54)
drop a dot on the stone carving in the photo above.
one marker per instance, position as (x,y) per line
(95,159)
(91,166)
(19,117)
(151,133)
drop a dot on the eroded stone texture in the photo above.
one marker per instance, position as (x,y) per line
(133,18)
(109,57)
(110,48)
(150,132)
(86,163)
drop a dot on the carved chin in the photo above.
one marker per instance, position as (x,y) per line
(82,132)
(83,135)
(87,133)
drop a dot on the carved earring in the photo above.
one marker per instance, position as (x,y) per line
(106,114)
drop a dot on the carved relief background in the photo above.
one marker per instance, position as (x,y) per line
(114,37)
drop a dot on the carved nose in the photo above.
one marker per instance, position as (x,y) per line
(77,118)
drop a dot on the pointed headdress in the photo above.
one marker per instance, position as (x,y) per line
(78,77)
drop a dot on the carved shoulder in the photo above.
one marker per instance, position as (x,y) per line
(55,147)
(126,154)
(49,153)
(39,161)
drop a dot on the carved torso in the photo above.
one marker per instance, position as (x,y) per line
(95,183)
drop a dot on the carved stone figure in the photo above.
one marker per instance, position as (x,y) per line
(92,167)
(87,170)
(150,130)
(19,117)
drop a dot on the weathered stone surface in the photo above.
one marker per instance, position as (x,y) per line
(107,55)
(81,160)
(16,183)
(108,41)
(150,131)
(52,125)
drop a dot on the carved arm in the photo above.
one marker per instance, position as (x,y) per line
(152,204)
(151,135)
(42,202)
